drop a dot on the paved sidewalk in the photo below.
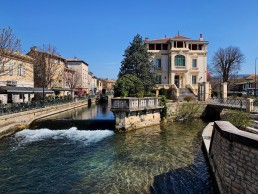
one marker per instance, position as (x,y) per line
(206,136)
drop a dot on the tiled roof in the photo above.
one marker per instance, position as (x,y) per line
(160,40)
(76,60)
(180,37)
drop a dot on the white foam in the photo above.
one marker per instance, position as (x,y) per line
(85,136)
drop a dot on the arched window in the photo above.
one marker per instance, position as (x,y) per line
(180,61)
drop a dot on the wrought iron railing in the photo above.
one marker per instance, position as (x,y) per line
(229,102)
(6,109)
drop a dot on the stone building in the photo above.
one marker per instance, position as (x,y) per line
(49,71)
(16,79)
(180,62)
(82,68)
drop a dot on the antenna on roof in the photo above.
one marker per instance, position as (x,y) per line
(165,36)
(178,33)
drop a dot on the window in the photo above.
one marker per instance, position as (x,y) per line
(194,79)
(158,79)
(194,63)
(165,47)
(60,83)
(158,63)
(1,67)
(180,61)
(10,68)
(51,83)
(151,46)
(158,46)
(20,70)
(180,44)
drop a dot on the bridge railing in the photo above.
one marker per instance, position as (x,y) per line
(229,102)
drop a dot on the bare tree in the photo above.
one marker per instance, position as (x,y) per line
(9,46)
(49,66)
(72,79)
(227,62)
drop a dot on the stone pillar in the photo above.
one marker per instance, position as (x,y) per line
(206,91)
(157,92)
(224,90)
(249,105)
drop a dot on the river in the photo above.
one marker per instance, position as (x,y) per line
(159,159)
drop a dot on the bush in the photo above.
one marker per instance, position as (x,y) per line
(238,118)
(188,111)
(188,98)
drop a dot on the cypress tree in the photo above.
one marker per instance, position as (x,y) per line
(138,61)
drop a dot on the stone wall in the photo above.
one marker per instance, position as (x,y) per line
(233,155)
(173,108)
(14,122)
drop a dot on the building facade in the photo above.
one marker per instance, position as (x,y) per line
(16,79)
(49,71)
(180,62)
(108,86)
(82,68)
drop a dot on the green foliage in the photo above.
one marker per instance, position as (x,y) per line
(128,85)
(188,98)
(164,112)
(137,62)
(168,93)
(188,111)
(238,118)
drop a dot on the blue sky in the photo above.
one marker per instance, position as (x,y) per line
(98,31)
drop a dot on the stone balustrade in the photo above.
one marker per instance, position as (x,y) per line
(134,104)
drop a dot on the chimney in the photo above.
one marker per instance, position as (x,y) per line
(34,48)
(146,39)
(201,39)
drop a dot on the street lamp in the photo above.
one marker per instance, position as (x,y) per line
(255,78)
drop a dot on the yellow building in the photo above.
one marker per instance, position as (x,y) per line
(180,62)
(49,71)
(16,79)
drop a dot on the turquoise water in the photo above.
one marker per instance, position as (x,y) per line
(165,159)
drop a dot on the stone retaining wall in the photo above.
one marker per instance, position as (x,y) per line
(233,155)
(18,121)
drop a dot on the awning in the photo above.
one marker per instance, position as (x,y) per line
(23,90)
(61,89)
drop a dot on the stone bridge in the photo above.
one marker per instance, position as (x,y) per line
(216,105)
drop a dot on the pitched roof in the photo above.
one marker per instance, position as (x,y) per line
(76,60)
(160,40)
(181,37)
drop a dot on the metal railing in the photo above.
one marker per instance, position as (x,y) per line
(6,109)
(228,102)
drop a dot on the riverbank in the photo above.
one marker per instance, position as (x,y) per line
(232,155)
(12,123)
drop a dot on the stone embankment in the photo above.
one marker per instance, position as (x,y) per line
(233,157)
(9,124)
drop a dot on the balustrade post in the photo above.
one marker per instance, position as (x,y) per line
(249,105)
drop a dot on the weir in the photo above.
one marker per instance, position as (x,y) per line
(90,124)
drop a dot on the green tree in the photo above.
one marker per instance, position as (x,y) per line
(137,61)
(128,85)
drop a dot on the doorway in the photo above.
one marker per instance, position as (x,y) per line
(177,81)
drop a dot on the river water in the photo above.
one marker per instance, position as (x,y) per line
(159,159)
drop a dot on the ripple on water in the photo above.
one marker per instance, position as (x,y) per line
(155,159)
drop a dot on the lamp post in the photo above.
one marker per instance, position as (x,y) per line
(255,78)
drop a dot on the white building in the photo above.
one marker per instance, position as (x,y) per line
(83,69)
(180,62)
